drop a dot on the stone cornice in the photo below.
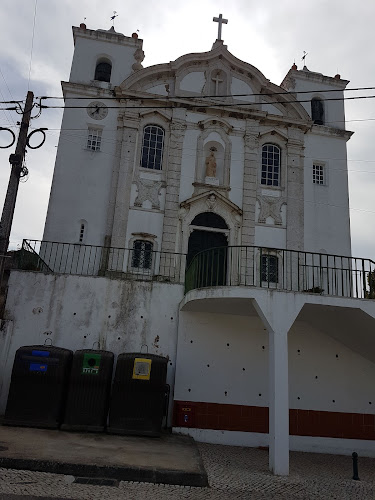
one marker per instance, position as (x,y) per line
(314,77)
(82,89)
(331,132)
(237,110)
(106,36)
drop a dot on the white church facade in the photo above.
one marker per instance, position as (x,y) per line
(202,210)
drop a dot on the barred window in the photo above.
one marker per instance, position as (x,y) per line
(81,233)
(270,268)
(270,165)
(142,254)
(94,139)
(152,147)
(318,174)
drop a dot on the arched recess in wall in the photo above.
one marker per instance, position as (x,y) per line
(317,111)
(214,137)
(103,70)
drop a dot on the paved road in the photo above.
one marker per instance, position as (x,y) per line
(234,473)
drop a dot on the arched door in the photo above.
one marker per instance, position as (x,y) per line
(209,267)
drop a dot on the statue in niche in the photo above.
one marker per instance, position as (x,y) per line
(211,164)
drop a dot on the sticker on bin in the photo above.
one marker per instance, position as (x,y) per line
(91,363)
(42,354)
(37,367)
(142,369)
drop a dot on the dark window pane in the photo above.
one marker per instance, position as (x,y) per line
(142,254)
(152,147)
(103,72)
(270,268)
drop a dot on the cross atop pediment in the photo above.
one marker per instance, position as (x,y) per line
(221,21)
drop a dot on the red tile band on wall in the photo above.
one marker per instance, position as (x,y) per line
(215,416)
(222,417)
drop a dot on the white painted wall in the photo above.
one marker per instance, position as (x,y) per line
(241,368)
(345,380)
(75,312)
(327,224)
(316,83)
(203,340)
(92,45)
(82,178)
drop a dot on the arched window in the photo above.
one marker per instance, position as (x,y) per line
(142,254)
(103,72)
(317,111)
(271,158)
(152,147)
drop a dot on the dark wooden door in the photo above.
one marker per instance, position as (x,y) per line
(210,266)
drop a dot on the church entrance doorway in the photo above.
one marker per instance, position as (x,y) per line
(209,232)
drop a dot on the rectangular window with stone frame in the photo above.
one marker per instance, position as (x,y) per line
(319,174)
(152,147)
(271,162)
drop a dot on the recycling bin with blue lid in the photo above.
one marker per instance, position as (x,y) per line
(38,386)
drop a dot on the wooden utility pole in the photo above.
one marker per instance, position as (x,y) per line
(16,161)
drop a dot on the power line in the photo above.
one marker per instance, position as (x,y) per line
(313,91)
(169,105)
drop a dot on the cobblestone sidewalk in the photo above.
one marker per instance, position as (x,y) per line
(233,472)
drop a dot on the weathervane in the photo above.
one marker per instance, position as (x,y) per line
(304,57)
(113,18)
(220,20)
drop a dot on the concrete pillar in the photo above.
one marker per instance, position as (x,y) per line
(278,403)
(278,311)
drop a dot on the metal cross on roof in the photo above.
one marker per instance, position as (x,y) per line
(220,20)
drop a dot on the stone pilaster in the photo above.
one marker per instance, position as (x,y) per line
(295,191)
(250,180)
(171,210)
(124,178)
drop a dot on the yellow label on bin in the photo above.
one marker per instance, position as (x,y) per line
(142,369)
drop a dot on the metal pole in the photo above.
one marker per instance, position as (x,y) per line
(355,466)
(11,195)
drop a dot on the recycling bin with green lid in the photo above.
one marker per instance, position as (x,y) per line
(89,390)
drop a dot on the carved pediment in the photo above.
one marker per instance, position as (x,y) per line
(274,131)
(209,200)
(213,73)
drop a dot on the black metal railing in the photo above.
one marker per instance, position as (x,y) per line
(92,260)
(280,269)
(272,268)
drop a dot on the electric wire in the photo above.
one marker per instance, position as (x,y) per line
(261,94)
(170,105)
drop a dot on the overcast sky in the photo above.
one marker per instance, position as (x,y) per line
(338,36)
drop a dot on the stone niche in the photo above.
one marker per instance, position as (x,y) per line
(213,159)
